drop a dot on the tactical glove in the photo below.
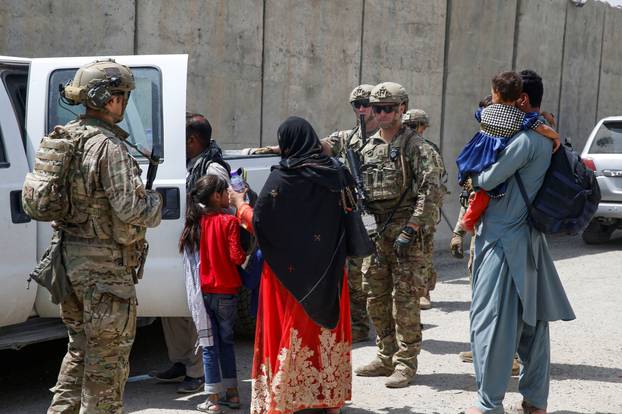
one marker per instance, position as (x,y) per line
(405,238)
(464,198)
(455,246)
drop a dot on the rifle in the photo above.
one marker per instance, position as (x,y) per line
(154,162)
(363,129)
(354,162)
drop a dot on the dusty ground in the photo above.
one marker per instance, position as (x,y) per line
(586,353)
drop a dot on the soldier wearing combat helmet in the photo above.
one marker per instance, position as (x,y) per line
(103,243)
(336,145)
(400,181)
(418,120)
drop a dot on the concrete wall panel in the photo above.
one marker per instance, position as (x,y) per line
(49,28)
(308,59)
(579,95)
(312,54)
(224,41)
(610,94)
(540,40)
(403,42)
(473,58)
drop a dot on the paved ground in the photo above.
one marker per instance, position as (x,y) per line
(586,353)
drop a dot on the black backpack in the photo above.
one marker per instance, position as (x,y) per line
(568,198)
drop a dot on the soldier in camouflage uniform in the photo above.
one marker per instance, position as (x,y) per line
(337,144)
(401,185)
(418,120)
(104,245)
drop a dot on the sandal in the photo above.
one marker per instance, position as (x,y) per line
(529,408)
(228,400)
(209,406)
(524,407)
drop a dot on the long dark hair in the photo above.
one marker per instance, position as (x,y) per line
(196,205)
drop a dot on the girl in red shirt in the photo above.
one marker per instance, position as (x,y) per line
(218,236)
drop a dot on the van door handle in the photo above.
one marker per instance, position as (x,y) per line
(170,206)
(18,215)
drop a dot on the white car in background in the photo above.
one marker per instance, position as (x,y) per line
(603,154)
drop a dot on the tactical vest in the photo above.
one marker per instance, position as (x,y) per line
(386,169)
(91,215)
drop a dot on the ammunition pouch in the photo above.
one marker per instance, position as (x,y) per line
(50,272)
(382,182)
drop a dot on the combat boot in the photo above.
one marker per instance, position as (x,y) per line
(374,369)
(466,356)
(400,378)
(424,302)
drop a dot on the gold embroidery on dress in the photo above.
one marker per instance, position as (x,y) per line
(336,369)
(261,391)
(297,383)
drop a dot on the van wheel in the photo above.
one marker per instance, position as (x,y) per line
(245,324)
(597,233)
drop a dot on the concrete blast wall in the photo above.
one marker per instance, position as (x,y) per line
(581,70)
(311,62)
(223,39)
(255,62)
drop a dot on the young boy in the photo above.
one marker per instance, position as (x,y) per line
(498,122)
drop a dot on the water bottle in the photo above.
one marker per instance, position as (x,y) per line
(237,183)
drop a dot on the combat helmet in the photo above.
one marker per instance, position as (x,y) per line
(361,92)
(94,84)
(388,92)
(415,117)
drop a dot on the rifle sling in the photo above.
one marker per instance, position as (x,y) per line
(388,220)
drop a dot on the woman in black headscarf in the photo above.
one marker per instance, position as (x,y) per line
(303,339)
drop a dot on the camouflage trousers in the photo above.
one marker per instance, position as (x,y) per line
(393,287)
(358,299)
(429,270)
(100,316)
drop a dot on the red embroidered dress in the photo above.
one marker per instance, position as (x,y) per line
(297,364)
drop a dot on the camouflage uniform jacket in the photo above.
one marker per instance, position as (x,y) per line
(441,190)
(340,141)
(110,206)
(387,170)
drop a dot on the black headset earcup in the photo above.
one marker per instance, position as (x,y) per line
(98,95)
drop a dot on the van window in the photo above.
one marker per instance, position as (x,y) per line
(16,83)
(608,139)
(143,115)
(4,163)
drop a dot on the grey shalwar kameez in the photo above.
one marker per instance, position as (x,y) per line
(516,289)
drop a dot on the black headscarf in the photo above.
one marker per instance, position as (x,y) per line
(301,150)
(299,224)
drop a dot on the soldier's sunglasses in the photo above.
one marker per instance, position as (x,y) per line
(384,108)
(358,104)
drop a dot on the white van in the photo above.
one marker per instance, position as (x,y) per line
(30,106)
